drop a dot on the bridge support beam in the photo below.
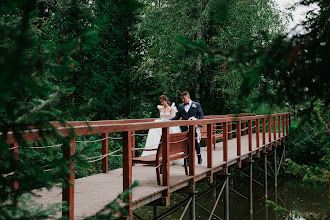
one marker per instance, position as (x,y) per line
(192,206)
(275,167)
(226,205)
(155,212)
(251,193)
(266,175)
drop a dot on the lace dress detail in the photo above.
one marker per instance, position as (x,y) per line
(154,134)
(165,116)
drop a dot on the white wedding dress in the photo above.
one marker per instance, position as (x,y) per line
(155,134)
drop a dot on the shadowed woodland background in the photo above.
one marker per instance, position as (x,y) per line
(101,60)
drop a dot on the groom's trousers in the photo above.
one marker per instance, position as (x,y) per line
(197,145)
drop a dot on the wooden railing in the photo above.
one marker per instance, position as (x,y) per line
(129,127)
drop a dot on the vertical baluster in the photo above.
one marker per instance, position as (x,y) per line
(250,134)
(274,127)
(166,161)
(225,143)
(210,150)
(263,131)
(105,152)
(209,146)
(257,133)
(269,129)
(68,190)
(279,126)
(283,130)
(127,167)
(239,140)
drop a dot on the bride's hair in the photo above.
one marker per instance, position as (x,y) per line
(165,98)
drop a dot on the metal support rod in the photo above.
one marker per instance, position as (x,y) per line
(206,210)
(231,179)
(136,215)
(275,166)
(251,181)
(264,170)
(238,193)
(227,198)
(202,207)
(185,209)
(252,178)
(155,212)
(192,206)
(216,202)
(271,168)
(172,210)
(266,176)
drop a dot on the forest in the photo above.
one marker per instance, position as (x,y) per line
(89,60)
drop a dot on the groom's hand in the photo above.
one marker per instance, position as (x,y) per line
(192,118)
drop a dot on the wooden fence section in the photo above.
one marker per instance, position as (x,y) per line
(234,127)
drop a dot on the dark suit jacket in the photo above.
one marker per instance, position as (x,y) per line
(194,111)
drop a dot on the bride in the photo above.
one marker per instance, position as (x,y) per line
(166,111)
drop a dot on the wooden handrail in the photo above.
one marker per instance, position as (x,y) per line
(81,130)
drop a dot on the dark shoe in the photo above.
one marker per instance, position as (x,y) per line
(199,159)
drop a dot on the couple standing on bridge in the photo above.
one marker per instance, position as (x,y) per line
(188,110)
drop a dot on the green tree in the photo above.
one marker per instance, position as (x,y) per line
(169,26)
(41,45)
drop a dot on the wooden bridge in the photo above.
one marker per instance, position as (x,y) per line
(244,136)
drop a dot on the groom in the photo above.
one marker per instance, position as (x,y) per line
(190,110)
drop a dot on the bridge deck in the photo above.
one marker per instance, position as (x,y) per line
(92,193)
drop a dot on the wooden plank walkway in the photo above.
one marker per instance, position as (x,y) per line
(92,193)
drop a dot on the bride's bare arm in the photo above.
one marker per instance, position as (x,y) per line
(172,112)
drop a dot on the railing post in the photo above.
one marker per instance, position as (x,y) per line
(263,131)
(279,126)
(257,133)
(192,152)
(239,140)
(283,131)
(127,167)
(209,146)
(166,161)
(68,189)
(269,129)
(230,134)
(274,127)
(250,135)
(225,143)
(105,152)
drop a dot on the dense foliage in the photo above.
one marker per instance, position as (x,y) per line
(168,25)
(97,60)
